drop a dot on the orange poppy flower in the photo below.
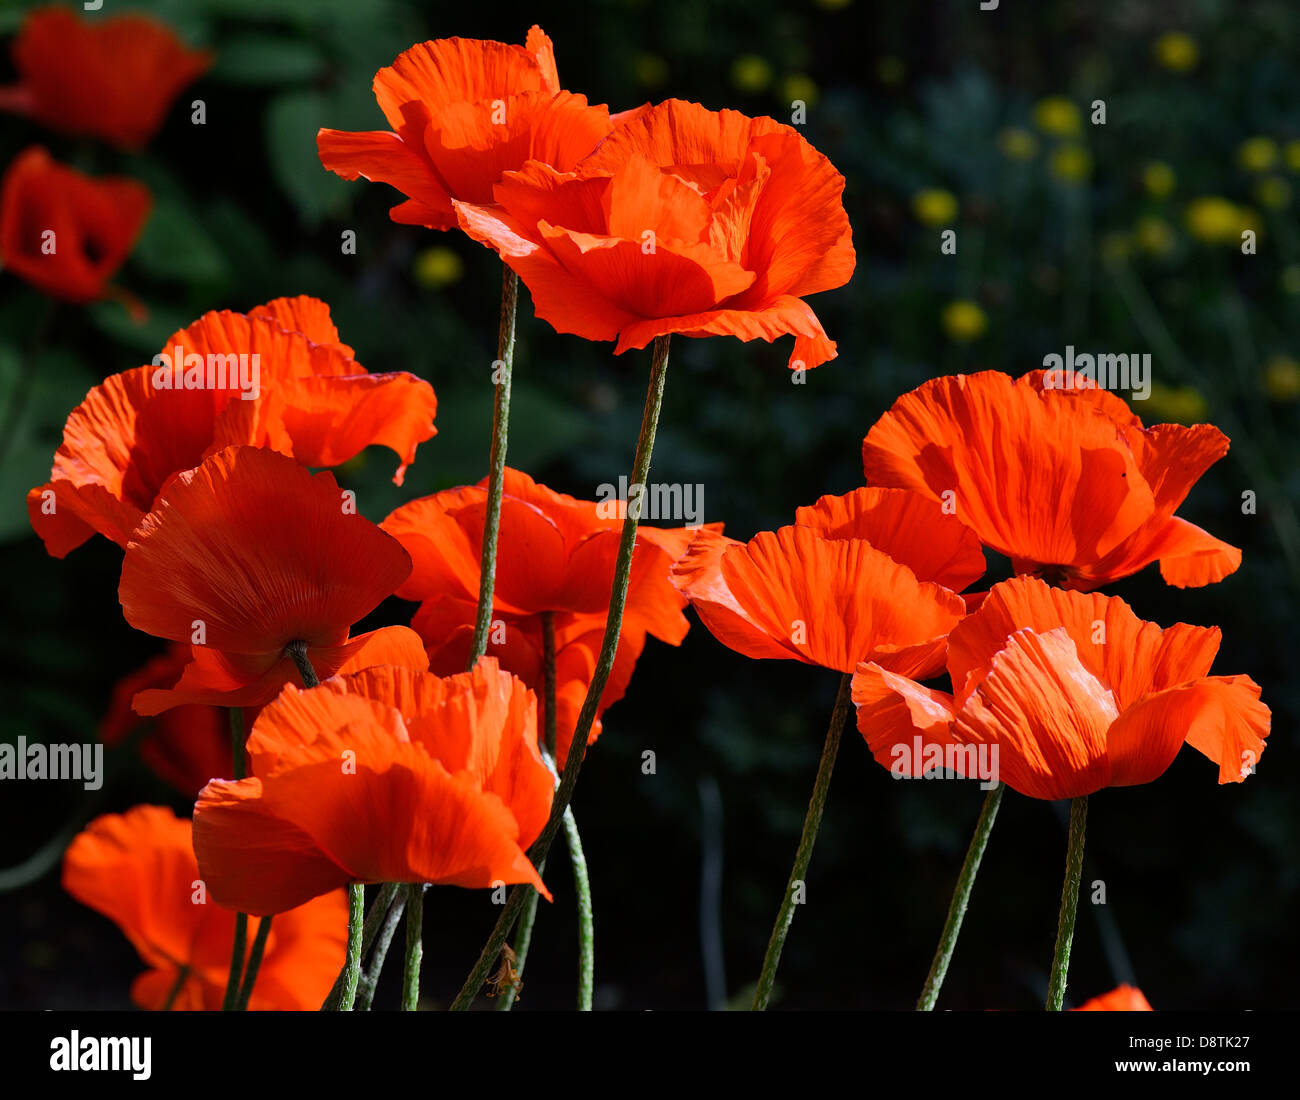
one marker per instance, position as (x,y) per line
(446,627)
(388,775)
(187,745)
(64,232)
(685,221)
(243,556)
(276,377)
(139,870)
(1075,691)
(112,79)
(1124,998)
(867,576)
(556,553)
(1065,482)
(465,112)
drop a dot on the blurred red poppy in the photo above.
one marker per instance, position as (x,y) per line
(684,220)
(1124,998)
(247,554)
(1075,691)
(276,377)
(389,775)
(465,112)
(868,576)
(1065,482)
(64,232)
(112,78)
(139,870)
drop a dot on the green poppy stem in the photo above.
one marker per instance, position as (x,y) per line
(352,965)
(383,940)
(181,975)
(501,373)
(1069,904)
(586,923)
(960,898)
(604,664)
(414,946)
(231,1000)
(798,873)
(254,964)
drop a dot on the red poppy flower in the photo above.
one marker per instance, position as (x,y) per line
(389,775)
(1076,692)
(1065,482)
(465,112)
(277,377)
(854,580)
(247,554)
(684,220)
(187,745)
(64,232)
(446,627)
(112,79)
(139,870)
(1124,998)
(556,553)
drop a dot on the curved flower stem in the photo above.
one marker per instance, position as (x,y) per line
(231,1000)
(414,946)
(370,977)
(254,964)
(298,652)
(767,976)
(586,925)
(1069,904)
(523,940)
(608,647)
(503,367)
(352,965)
(960,898)
(381,909)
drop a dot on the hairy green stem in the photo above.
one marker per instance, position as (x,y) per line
(960,899)
(798,873)
(254,964)
(370,976)
(586,924)
(605,662)
(352,961)
(1069,904)
(501,370)
(414,946)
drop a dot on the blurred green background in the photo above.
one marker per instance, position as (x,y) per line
(1118,237)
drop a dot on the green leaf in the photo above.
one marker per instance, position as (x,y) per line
(175,247)
(291,125)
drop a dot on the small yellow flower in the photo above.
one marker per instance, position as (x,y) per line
(437,267)
(1158,178)
(1116,246)
(800,86)
(1282,378)
(964,321)
(1017,144)
(1291,278)
(1273,192)
(650,70)
(1177,51)
(1215,220)
(890,70)
(750,73)
(1072,163)
(1177,404)
(1058,115)
(1154,235)
(1291,154)
(934,206)
(1257,154)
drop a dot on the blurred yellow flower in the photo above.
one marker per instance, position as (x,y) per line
(1291,278)
(750,73)
(1291,153)
(1177,51)
(1158,178)
(1215,220)
(1257,154)
(964,321)
(1273,192)
(1154,235)
(437,267)
(1282,378)
(800,86)
(1017,144)
(1058,115)
(1072,163)
(890,70)
(934,206)
(1177,404)
(1116,246)
(650,69)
